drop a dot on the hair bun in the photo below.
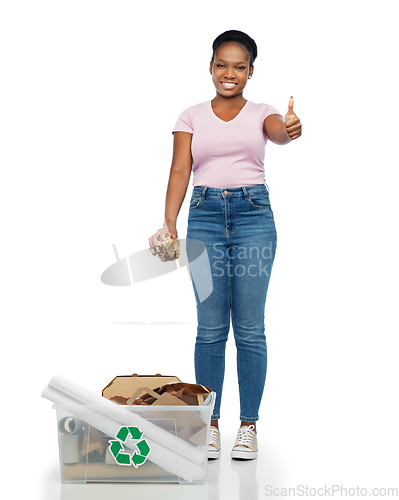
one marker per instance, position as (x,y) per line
(238,37)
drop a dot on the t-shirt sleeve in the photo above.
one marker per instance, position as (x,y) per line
(267,110)
(185,122)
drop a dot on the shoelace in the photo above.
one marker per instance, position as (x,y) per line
(213,437)
(245,436)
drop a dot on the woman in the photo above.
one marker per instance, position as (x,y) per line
(223,142)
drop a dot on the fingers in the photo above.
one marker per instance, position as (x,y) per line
(154,250)
(292,121)
(153,245)
(157,240)
(294,128)
(295,134)
(291,105)
(161,235)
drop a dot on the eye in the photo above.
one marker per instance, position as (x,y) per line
(241,67)
(219,65)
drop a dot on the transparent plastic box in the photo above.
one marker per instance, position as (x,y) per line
(152,444)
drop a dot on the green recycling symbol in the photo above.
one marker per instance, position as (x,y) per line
(117,450)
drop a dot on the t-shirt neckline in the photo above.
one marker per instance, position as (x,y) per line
(239,113)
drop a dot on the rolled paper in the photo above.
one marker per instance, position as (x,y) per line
(70,425)
(109,458)
(70,435)
(165,456)
(69,448)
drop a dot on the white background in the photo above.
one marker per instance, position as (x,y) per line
(90,92)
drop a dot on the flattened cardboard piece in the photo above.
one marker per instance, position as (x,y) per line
(185,433)
(103,472)
(199,437)
(94,443)
(123,386)
(190,394)
(119,400)
(151,398)
(181,419)
(140,392)
(168,400)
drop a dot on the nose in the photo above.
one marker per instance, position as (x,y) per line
(229,73)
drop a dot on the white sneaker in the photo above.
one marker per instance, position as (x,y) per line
(214,446)
(246,445)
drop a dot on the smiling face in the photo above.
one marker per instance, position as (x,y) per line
(230,69)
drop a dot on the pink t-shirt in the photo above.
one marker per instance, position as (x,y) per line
(226,154)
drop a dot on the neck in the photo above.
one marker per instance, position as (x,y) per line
(229,102)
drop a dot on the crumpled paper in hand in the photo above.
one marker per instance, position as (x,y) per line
(170,251)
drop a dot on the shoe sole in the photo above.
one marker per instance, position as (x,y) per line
(246,455)
(213,453)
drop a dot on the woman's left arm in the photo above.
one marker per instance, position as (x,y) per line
(282,131)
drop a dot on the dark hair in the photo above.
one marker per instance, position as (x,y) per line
(238,37)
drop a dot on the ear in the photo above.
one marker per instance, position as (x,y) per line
(210,67)
(251,70)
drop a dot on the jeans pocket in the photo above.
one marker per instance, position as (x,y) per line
(259,200)
(195,202)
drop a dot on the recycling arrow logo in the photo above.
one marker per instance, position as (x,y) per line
(118,451)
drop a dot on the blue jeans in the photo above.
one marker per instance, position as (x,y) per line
(237,227)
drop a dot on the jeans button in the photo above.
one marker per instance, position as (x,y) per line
(225,192)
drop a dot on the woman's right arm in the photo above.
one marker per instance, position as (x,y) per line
(179,177)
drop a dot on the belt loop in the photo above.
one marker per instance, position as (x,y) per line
(203,192)
(245,192)
(267,187)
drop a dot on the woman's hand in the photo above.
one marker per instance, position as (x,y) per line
(159,238)
(292,122)
(283,131)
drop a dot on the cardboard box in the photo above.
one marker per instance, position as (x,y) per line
(123,387)
(126,389)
